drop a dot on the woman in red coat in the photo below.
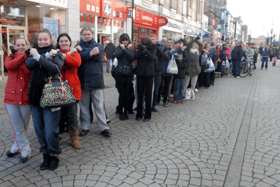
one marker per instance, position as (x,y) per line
(16,99)
(69,72)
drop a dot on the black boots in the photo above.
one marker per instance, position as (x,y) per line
(50,162)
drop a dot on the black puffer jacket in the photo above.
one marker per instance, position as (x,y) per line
(237,53)
(110,50)
(125,58)
(181,68)
(146,61)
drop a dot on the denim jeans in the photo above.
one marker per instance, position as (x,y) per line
(19,116)
(97,97)
(109,63)
(264,59)
(46,125)
(178,89)
(236,68)
(157,82)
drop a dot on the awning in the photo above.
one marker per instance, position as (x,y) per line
(90,19)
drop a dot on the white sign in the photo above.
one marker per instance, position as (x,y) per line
(57,3)
(173,26)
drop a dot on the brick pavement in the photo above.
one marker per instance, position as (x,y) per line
(228,136)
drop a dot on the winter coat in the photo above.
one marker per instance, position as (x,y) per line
(181,69)
(237,54)
(91,70)
(193,68)
(110,50)
(146,62)
(250,54)
(264,52)
(124,69)
(16,91)
(223,55)
(69,72)
(161,56)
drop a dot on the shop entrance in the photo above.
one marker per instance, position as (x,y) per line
(9,34)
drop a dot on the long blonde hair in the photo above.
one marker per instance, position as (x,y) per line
(196,46)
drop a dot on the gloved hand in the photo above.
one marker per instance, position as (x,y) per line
(140,47)
(14,51)
(27,52)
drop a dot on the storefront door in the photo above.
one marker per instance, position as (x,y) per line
(9,34)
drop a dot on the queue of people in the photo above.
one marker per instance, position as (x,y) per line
(30,69)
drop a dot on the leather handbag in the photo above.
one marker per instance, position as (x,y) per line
(59,95)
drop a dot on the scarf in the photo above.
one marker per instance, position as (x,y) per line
(37,82)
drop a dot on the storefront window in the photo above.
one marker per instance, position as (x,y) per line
(170,34)
(39,17)
(12,16)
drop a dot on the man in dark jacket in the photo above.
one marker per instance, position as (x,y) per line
(92,82)
(110,51)
(265,52)
(214,56)
(236,56)
(145,71)
(161,56)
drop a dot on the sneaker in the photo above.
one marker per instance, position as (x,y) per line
(130,113)
(196,90)
(108,121)
(126,116)
(46,162)
(146,119)
(53,163)
(83,133)
(154,109)
(238,77)
(165,104)
(138,118)
(105,133)
(121,117)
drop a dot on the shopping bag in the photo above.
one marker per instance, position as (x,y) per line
(188,94)
(211,66)
(172,66)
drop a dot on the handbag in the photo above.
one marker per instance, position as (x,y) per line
(172,67)
(57,95)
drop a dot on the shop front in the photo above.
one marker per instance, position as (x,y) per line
(22,19)
(105,17)
(145,24)
(172,29)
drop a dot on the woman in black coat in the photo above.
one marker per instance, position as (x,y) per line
(124,74)
(145,71)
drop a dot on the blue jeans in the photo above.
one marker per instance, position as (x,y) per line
(97,97)
(109,63)
(178,89)
(264,59)
(46,125)
(236,68)
(157,82)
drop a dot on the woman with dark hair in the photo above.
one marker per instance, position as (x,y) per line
(69,72)
(124,73)
(45,63)
(16,98)
(145,71)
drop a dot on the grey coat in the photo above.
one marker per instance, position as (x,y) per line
(193,68)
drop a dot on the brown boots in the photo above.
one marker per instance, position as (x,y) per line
(74,139)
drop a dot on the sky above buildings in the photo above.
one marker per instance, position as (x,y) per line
(257,14)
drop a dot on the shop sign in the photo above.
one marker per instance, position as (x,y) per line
(105,8)
(147,18)
(173,26)
(57,3)
(113,9)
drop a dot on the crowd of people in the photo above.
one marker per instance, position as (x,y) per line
(145,65)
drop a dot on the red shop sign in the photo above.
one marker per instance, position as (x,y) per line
(147,18)
(91,7)
(105,8)
(113,9)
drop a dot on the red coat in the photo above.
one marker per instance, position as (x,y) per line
(69,72)
(16,91)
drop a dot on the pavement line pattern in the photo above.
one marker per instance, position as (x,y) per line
(234,172)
